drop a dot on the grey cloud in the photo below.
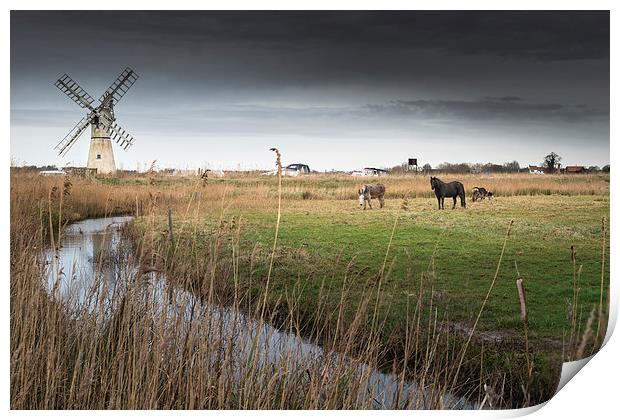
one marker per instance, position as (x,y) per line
(256,118)
(250,76)
(503,98)
(507,108)
(540,35)
(485,109)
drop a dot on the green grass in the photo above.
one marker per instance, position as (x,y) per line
(319,238)
(326,244)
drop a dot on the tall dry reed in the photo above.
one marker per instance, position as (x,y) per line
(135,353)
(158,344)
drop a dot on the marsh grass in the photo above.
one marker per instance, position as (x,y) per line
(139,353)
(343,187)
(585,343)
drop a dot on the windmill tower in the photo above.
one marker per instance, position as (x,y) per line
(101,119)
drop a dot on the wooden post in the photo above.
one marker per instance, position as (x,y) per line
(523,304)
(170,235)
(522,300)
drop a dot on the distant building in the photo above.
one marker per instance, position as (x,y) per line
(538,170)
(575,169)
(375,172)
(80,171)
(54,172)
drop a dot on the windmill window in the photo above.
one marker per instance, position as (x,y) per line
(98,156)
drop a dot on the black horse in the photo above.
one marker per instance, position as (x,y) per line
(451,189)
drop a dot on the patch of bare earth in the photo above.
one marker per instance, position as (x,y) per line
(509,340)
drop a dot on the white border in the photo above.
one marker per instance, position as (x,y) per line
(592,394)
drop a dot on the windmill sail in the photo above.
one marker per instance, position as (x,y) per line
(74,91)
(119,88)
(123,138)
(68,141)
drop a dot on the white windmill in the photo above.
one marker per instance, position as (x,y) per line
(100,118)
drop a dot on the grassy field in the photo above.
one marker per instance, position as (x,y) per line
(381,270)
(409,250)
(455,251)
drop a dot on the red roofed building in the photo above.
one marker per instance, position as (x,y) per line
(575,170)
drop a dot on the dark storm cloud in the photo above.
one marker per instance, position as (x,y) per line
(507,108)
(541,35)
(228,84)
(503,98)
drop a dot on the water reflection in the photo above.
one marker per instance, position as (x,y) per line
(91,270)
(84,265)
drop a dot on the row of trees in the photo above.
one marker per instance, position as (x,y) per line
(464,168)
(33,168)
(478,168)
(596,169)
(507,167)
(551,163)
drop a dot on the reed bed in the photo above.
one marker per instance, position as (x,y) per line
(160,347)
(344,187)
(142,351)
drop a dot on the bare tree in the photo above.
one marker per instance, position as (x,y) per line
(512,166)
(552,160)
(454,168)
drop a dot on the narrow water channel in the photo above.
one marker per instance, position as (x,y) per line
(90,269)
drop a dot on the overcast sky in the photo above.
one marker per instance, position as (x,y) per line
(338,90)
